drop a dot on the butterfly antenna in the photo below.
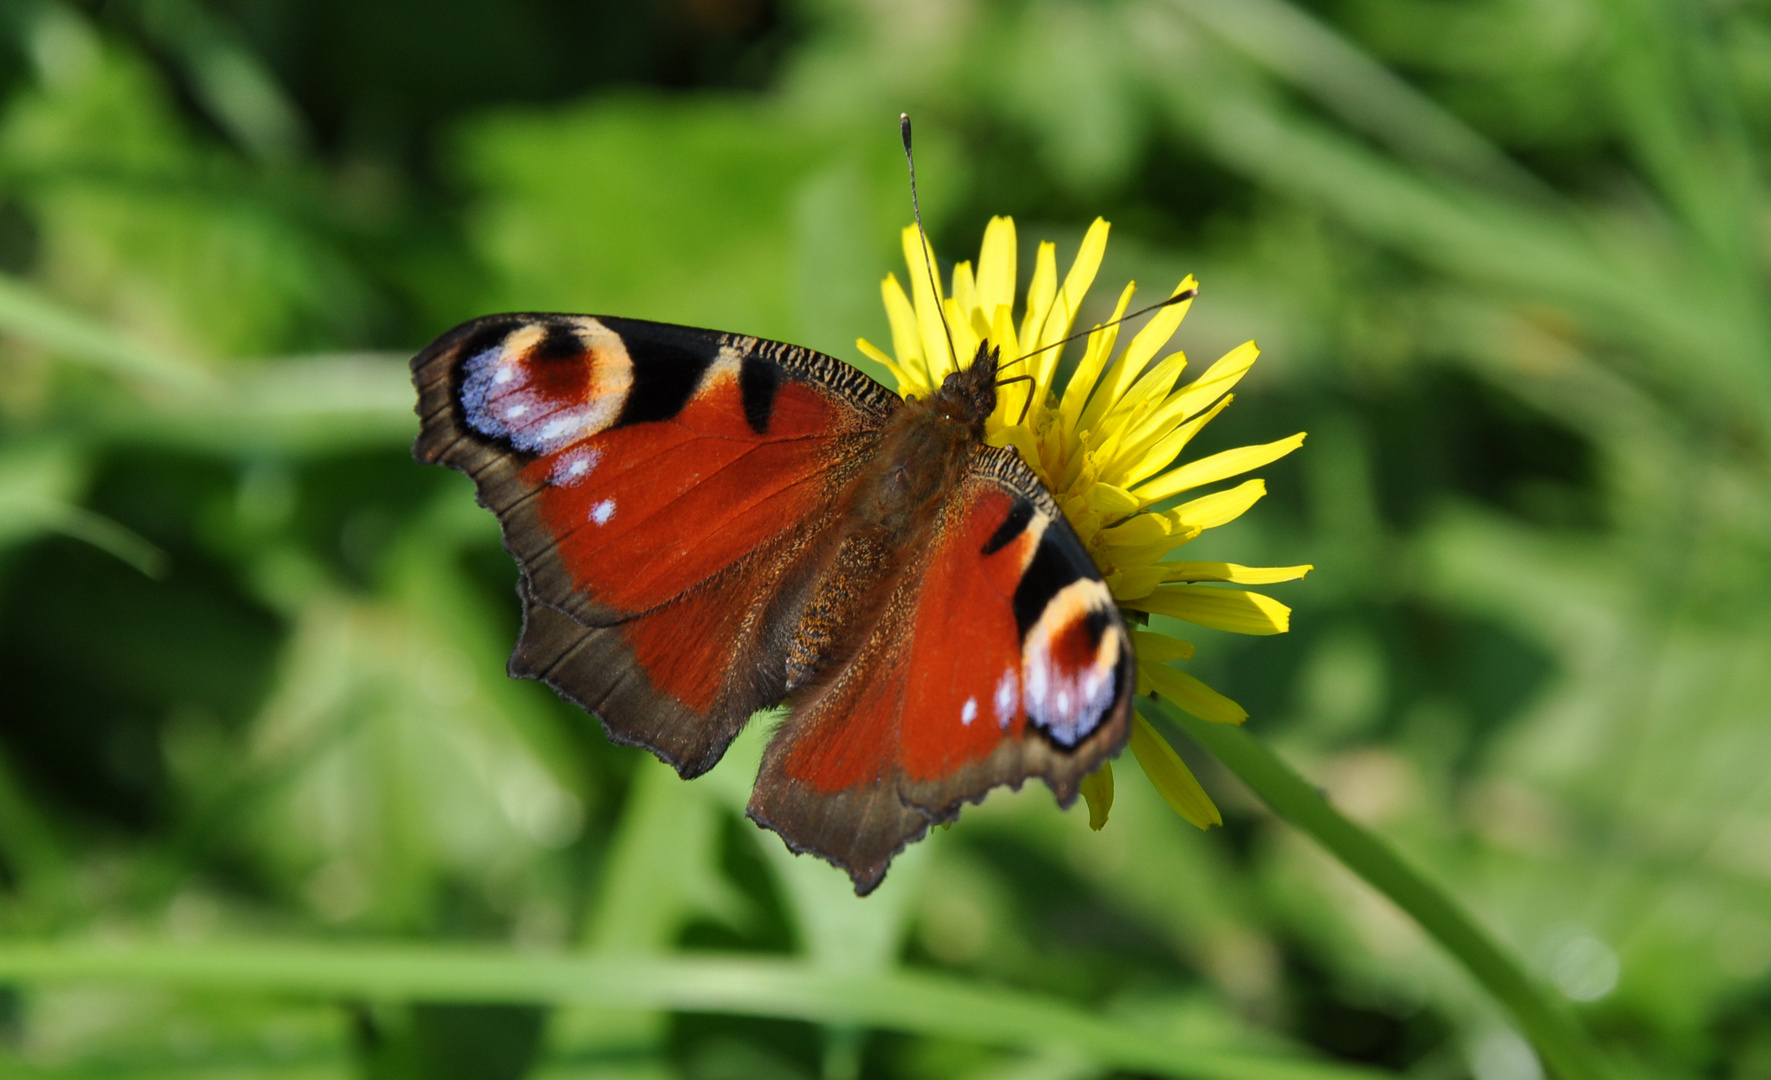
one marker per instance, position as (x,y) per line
(927,252)
(1184,294)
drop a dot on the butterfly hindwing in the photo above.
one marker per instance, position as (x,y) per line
(1020,663)
(829,779)
(653,482)
(1001,656)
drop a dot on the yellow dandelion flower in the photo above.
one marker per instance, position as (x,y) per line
(1108,445)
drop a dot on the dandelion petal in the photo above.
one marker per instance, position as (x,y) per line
(1170,775)
(1222,466)
(1235,610)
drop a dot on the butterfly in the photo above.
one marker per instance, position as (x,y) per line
(710,524)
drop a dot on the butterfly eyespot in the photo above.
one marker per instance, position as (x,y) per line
(1072,664)
(541,386)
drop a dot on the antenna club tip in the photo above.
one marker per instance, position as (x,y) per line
(904,128)
(1184,294)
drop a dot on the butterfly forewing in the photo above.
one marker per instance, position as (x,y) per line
(651,480)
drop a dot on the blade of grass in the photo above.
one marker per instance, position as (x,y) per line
(35,317)
(1564,1045)
(1294,46)
(904,1001)
(99,531)
(1682,122)
(1705,344)
(230,81)
(40,483)
(300,405)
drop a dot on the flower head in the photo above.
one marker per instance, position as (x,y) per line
(1107,444)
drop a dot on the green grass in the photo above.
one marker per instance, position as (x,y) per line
(269,805)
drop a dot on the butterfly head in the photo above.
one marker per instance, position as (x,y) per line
(969,395)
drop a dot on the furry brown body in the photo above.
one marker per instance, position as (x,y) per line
(890,515)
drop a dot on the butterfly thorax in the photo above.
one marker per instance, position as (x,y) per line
(890,513)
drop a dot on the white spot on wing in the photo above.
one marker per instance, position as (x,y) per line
(1008,692)
(574,466)
(969,712)
(603,511)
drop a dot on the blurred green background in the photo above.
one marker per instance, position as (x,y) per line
(1507,263)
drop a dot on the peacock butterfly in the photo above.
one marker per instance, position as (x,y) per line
(710,524)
